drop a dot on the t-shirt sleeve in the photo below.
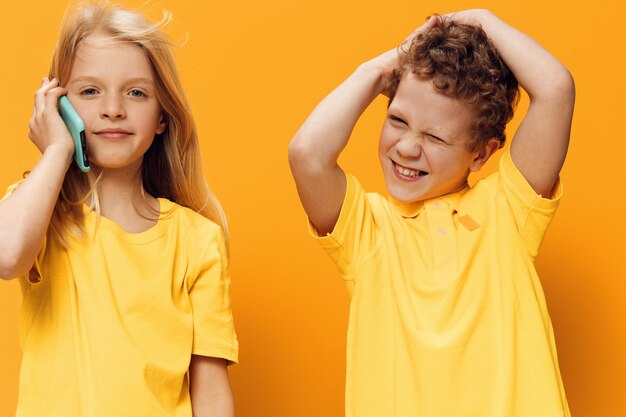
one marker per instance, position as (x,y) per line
(34,275)
(209,291)
(533,213)
(10,190)
(354,235)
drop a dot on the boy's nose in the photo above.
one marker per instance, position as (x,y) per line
(113,108)
(409,146)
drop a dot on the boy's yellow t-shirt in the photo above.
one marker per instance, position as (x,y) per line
(109,327)
(447,315)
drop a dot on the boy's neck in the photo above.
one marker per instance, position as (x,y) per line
(414,207)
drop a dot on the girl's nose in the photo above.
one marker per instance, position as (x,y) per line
(113,108)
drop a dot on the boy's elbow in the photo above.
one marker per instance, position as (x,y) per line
(310,157)
(566,85)
(557,91)
(300,153)
(562,87)
(294,150)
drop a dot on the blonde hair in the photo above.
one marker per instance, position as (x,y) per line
(171,167)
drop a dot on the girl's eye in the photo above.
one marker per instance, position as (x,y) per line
(136,93)
(89,92)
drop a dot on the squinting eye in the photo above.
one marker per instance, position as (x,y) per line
(396,119)
(435,138)
(136,93)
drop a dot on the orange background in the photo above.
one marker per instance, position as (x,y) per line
(253,71)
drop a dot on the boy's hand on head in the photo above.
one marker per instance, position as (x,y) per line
(46,127)
(430,22)
(467,17)
(315,149)
(540,144)
(390,60)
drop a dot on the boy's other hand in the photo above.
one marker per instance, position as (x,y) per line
(468,17)
(387,62)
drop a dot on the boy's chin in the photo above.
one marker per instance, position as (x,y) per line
(404,193)
(405,197)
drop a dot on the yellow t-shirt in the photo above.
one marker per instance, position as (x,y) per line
(109,328)
(447,314)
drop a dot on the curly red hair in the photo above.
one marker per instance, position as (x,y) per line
(462,63)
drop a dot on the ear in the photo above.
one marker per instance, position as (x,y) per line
(484,153)
(162,124)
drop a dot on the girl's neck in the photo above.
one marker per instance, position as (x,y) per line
(123,200)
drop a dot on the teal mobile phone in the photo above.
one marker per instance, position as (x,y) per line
(77,129)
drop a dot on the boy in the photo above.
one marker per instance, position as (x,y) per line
(447,314)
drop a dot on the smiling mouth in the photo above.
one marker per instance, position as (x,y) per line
(408,172)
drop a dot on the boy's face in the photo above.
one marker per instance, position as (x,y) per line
(424,142)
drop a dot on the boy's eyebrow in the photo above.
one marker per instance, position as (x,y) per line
(393,111)
(397,112)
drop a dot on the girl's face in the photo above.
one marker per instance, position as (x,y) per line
(112,87)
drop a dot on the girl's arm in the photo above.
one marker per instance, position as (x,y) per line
(314,150)
(26,213)
(209,387)
(540,143)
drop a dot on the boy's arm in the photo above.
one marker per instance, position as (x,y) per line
(26,213)
(209,387)
(540,144)
(314,150)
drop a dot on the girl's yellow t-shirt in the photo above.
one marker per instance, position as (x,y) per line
(108,327)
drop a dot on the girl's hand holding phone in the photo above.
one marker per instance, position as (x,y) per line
(47,128)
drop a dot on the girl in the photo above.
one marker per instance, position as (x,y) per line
(123,270)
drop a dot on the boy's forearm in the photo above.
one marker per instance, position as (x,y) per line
(314,150)
(326,131)
(537,71)
(26,213)
(540,144)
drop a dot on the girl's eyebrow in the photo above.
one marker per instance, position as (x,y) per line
(135,80)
